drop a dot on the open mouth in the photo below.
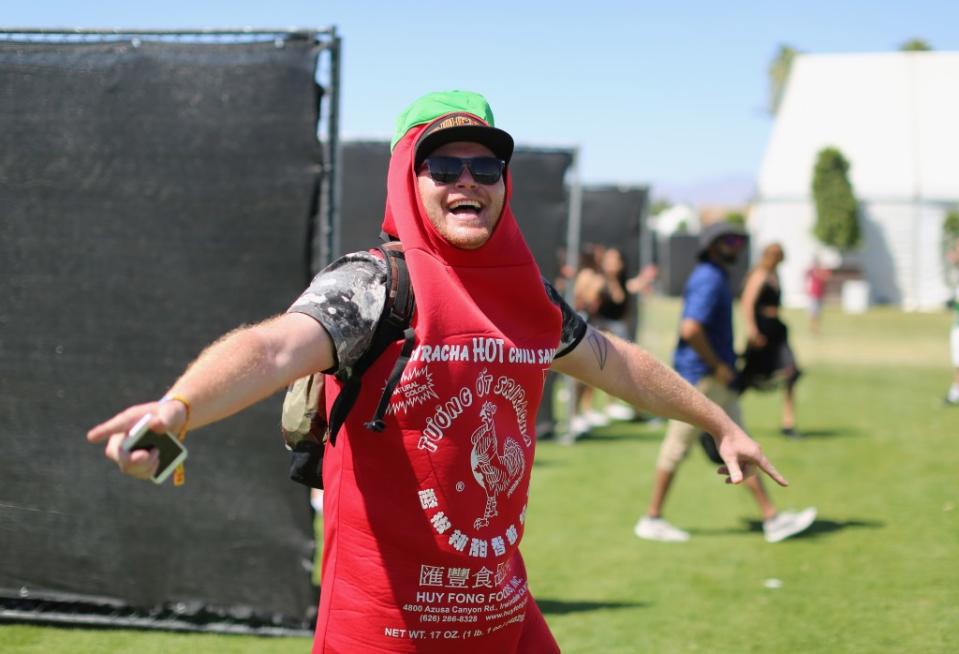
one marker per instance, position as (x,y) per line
(465,207)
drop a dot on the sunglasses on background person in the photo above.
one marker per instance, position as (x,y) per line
(446,170)
(733,240)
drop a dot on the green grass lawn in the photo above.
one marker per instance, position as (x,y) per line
(878,572)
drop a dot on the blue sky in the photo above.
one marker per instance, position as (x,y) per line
(667,93)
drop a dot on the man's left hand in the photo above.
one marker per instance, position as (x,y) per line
(743,456)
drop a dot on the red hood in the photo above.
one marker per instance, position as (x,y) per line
(406,219)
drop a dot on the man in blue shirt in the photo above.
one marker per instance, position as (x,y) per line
(705,357)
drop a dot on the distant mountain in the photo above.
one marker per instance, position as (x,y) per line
(728,190)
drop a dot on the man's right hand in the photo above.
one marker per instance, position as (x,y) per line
(141,464)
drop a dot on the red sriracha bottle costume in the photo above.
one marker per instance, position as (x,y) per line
(422,522)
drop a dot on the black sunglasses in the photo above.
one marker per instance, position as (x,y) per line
(446,170)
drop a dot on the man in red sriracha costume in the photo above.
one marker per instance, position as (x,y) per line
(425,519)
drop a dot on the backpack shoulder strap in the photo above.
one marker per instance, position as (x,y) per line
(393,324)
(400,301)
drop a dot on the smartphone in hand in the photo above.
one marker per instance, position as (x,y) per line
(172,452)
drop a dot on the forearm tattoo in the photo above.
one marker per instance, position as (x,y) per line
(600,347)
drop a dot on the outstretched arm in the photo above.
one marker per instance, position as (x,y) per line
(240,369)
(632,374)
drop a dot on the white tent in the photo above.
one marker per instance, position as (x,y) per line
(677,218)
(895,117)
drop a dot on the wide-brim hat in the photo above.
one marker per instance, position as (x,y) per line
(709,235)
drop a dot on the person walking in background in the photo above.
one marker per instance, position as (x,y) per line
(816,278)
(952,396)
(705,357)
(427,516)
(769,359)
(611,313)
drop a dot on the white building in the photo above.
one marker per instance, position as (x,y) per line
(895,117)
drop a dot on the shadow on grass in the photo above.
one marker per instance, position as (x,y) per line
(820,527)
(563,607)
(823,526)
(611,434)
(540,462)
(826,433)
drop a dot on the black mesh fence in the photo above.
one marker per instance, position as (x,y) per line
(153,195)
(541,203)
(363,167)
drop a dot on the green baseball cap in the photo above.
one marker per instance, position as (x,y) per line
(466,116)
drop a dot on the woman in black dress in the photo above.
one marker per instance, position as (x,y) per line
(769,361)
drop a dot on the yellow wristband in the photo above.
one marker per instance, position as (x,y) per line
(186,405)
(179,475)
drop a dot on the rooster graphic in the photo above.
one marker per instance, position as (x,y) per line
(497,472)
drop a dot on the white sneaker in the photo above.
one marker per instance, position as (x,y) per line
(788,523)
(658,529)
(578,426)
(596,419)
(618,411)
